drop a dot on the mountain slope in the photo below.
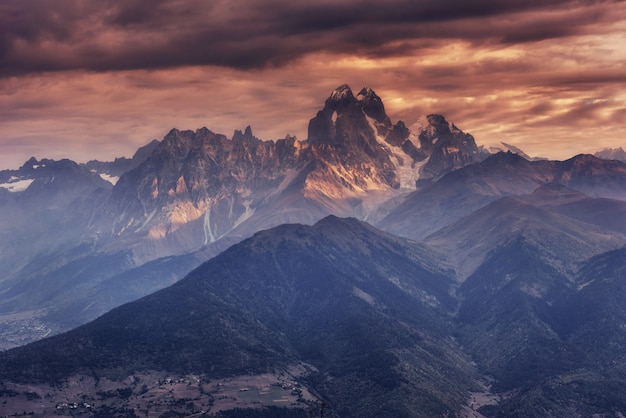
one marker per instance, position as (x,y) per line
(605,213)
(366,309)
(575,363)
(567,226)
(465,190)
(194,188)
(505,320)
(40,199)
(374,322)
(111,171)
(448,148)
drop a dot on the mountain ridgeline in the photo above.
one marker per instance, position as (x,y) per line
(198,187)
(336,296)
(375,269)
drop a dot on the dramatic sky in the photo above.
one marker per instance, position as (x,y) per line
(91,79)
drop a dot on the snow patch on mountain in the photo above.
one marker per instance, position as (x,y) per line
(16,184)
(111,179)
(147,220)
(340,93)
(246,215)
(422,124)
(211,225)
(369,299)
(208,231)
(105,176)
(407,170)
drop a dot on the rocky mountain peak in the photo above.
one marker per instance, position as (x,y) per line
(433,126)
(373,107)
(341,96)
(342,102)
(32,161)
(506,159)
(323,127)
(246,135)
(197,186)
(365,93)
(449,147)
(177,138)
(348,134)
(359,126)
(504,147)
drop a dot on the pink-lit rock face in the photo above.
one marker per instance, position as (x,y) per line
(198,186)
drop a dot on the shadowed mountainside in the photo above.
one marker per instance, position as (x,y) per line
(369,311)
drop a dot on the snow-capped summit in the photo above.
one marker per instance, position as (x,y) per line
(359,128)
(367,94)
(365,91)
(340,95)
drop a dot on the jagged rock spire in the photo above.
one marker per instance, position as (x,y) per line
(373,106)
(342,95)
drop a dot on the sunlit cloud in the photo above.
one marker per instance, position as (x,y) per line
(98,79)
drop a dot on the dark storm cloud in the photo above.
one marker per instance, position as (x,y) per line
(590,80)
(41,35)
(97,78)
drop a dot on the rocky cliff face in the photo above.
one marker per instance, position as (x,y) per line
(447,146)
(198,187)
(344,136)
(357,133)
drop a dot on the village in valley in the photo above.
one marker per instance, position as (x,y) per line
(153,395)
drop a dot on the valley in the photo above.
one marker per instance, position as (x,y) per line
(21,328)
(153,394)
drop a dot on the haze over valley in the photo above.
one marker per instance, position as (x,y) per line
(372,269)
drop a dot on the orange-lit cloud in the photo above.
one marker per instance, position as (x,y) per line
(84,79)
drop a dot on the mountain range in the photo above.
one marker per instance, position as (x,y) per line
(193,194)
(481,285)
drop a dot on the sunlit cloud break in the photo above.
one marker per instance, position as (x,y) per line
(86,80)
